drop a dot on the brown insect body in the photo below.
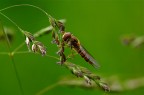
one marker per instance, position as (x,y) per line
(75,44)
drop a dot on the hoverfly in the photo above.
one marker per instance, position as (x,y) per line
(74,43)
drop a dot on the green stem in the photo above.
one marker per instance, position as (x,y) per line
(52,57)
(12,22)
(4,53)
(17,75)
(12,59)
(20,46)
(22,52)
(27,5)
(47,89)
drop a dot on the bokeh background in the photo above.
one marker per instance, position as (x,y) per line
(99,25)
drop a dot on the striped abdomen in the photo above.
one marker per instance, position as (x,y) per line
(83,53)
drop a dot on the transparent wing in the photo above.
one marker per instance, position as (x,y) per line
(92,61)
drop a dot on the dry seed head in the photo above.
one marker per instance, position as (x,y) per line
(27,41)
(34,48)
(104,86)
(29,36)
(52,21)
(61,26)
(42,50)
(88,81)
(93,77)
(38,47)
(77,72)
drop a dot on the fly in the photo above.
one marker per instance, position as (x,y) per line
(74,43)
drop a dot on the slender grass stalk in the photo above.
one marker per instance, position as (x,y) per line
(21,30)
(52,57)
(4,53)
(16,49)
(29,6)
(47,88)
(21,52)
(17,76)
(14,64)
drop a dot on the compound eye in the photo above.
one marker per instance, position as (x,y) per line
(66,36)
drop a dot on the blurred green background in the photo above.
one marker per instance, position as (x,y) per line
(99,25)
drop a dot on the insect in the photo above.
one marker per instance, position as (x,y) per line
(74,43)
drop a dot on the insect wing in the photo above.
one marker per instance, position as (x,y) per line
(92,61)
